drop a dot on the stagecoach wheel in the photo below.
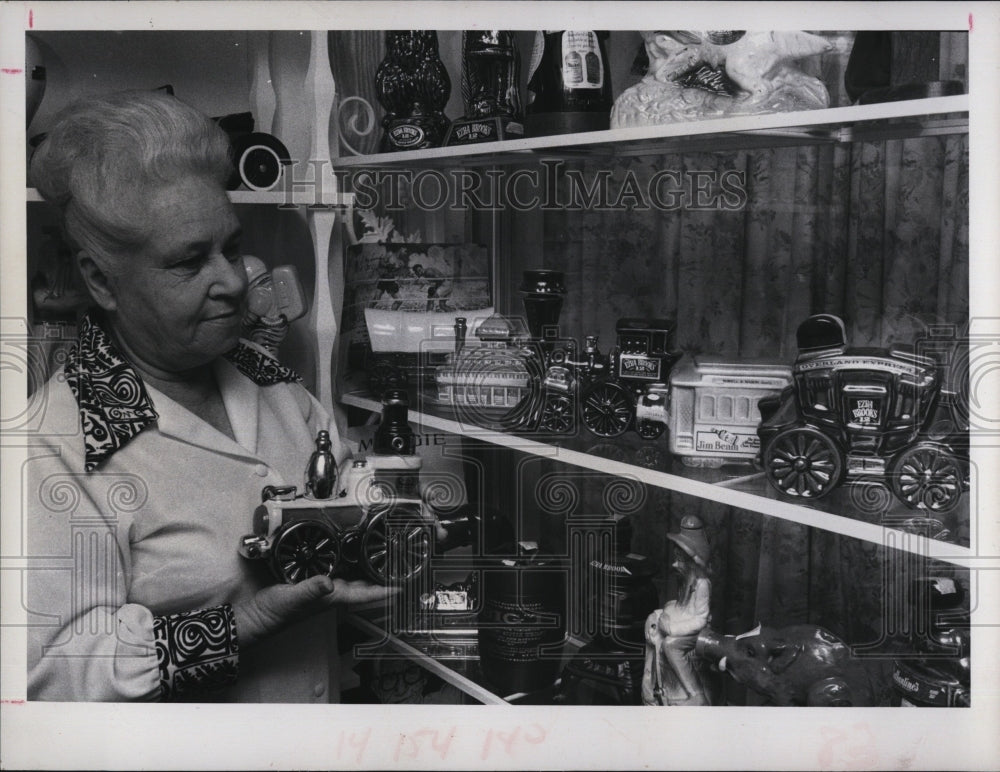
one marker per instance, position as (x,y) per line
(649,430)
(927,477)
(394,548)
(557,415)
(304,549)
(803,462)
(607,409)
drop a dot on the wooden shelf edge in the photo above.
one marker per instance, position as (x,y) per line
(765,122)
(932,549)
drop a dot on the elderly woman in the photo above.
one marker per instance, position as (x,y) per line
(161,430)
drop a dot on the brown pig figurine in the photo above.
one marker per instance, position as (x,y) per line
(796,665)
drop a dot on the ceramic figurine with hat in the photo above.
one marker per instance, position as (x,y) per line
(672,674)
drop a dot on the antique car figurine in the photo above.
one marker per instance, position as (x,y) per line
(869,412)
(361,530)
(365,518)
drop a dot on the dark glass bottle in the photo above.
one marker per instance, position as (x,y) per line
(608,670)
(321,473)
(394,435)
(569,83)
(413,86)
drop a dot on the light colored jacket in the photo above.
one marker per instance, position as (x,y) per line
(153,531)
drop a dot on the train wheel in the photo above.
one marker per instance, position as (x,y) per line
(803,462)
(304,549)
(557,414)
(395,548)
(649,430)
(927,476)
(607,409)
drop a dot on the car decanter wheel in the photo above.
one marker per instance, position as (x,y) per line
(305,549)
(928,477)
(803,463)
(395,547)
(607,409)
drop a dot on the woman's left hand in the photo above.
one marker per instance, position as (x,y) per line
(279,605)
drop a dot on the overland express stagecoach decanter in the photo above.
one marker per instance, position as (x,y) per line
(864,413)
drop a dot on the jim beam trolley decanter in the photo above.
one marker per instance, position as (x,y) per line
(864,413)
(713,410)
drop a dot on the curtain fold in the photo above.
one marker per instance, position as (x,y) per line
(876,232)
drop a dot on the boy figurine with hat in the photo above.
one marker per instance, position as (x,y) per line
(671,675)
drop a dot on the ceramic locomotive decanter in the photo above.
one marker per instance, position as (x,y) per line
(638,366)
(864,413)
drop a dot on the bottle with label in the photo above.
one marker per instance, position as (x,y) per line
(569,83)
(608,670)
(413,86)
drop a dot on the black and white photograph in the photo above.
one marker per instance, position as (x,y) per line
(383,391)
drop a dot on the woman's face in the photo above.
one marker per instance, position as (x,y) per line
(179,299)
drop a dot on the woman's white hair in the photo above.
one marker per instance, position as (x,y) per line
(103,155)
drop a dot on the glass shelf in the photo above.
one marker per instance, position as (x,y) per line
(462,671)
(272,197)
(874,515)
(912,118)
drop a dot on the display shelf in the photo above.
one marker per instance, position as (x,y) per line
(837,124)
(738,486)
(463,673)
(271,197)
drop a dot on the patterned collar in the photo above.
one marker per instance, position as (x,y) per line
(113,401)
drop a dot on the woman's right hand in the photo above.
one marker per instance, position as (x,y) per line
(275,607)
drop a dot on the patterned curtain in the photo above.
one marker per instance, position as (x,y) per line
(876,232)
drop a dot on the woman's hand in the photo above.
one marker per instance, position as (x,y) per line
(278,606)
